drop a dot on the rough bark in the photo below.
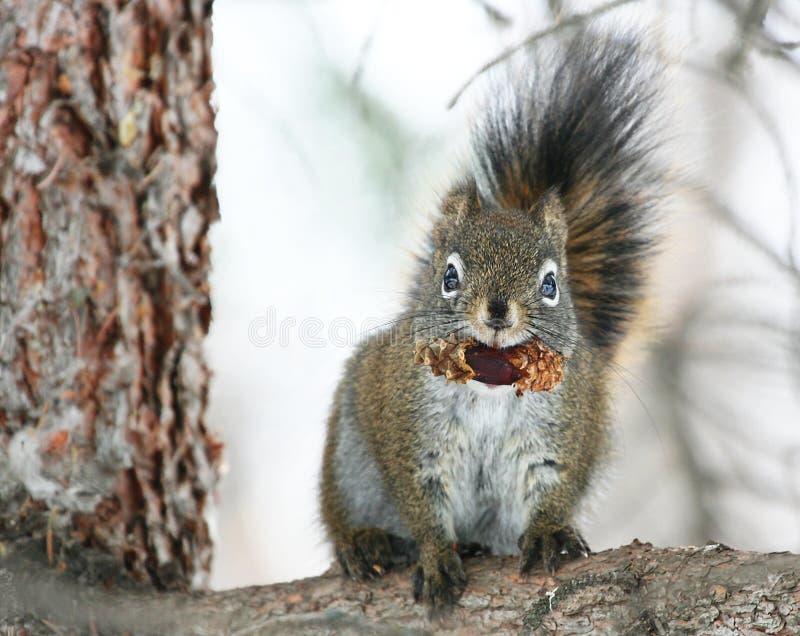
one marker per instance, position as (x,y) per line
(636,589)
(106,162)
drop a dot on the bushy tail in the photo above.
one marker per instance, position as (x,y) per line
(579,121)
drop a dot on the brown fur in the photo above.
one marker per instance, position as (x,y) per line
(386,391)
(570,199)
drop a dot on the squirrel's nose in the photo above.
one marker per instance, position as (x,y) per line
(498,308)
(498,311)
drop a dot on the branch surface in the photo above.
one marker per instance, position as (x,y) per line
(634,589)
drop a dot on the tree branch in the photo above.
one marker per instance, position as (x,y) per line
(633,589)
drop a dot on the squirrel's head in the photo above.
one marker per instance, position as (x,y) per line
(500,275)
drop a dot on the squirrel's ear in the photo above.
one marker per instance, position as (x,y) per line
(462,200)
(549,210)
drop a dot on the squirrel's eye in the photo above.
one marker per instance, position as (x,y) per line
(450,278)
(549,288)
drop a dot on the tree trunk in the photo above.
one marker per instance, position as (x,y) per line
(636,589)
(106,163)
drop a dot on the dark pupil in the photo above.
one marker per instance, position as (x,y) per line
(450,278)
(549,286)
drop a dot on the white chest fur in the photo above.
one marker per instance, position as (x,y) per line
(491,456)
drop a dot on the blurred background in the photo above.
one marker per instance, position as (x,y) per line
(335,140)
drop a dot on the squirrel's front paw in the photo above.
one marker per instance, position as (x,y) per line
(551,548)
(365,553)
(439,580)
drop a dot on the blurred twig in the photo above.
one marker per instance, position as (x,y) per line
(680,355)
(671,354)
(556,8)
(754,34)
(774,133)
(722,212)
(569,21)
(750,20)
(366,47)
(494,14)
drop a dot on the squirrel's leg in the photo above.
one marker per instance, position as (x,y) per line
(382,501)
(368,551)
(364,552)
(439,579)
(548,538)
(583,439)
(363,549)
(419,490)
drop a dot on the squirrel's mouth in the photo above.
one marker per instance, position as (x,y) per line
(501,338)
(532,366)
(491,365)
(508,339)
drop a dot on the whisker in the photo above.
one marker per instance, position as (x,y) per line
(615,367)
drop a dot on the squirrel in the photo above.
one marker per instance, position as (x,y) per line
(547,235)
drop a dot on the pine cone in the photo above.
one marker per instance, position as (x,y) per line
(542,367)
(538,368)
(445,357)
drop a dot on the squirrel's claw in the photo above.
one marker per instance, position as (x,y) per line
(365,553)
(439,580)
(551,549)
